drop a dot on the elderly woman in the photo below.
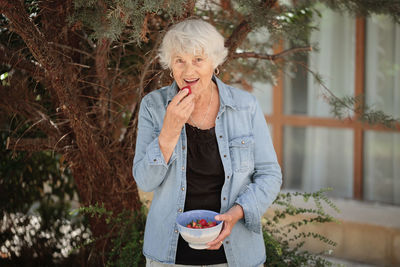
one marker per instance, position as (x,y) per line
(204,148)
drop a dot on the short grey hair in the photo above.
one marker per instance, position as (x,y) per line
(192,36)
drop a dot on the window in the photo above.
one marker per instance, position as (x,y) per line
(382,90)
(356,57)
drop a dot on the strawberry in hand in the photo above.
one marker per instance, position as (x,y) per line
(187,87)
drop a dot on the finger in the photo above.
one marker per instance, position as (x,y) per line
(220,238)
(179,96)
(225,230)
(216,247)
(182,111)
(221,217)
(187,101)
(186,112)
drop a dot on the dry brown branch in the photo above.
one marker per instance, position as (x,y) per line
(243,29)
(73,49)
(5,4)
(64,81)
(32,144)
(16,60)
(270,3)
(151,56)
(238,35)
(226,5)
(16,99)
(101,64)
(30,33)
(274,56)
(145,29)
(189,8)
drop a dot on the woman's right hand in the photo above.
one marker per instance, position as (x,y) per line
(178,112)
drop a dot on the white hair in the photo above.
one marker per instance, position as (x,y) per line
(193,36)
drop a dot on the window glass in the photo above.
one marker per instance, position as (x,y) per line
(382,167)
(263,93)
(262,86)
(318,157)
(382,78)
(382,90)
(335,62)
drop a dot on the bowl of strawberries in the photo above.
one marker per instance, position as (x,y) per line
(198,227)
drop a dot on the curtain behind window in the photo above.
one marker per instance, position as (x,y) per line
(318,157)
(382,149)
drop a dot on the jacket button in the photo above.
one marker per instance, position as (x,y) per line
(176,231)
(154,160)
(224,198)
(183,147)
(180,210)
(224,156)
(228,177)
(220,136)
(183,168)
(226,242)
(242,142)
(183,189)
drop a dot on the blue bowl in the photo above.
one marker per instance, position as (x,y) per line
(198,238)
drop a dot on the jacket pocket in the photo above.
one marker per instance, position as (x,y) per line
(241,152)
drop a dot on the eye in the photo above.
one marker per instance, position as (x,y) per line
(179,60)
(199,59)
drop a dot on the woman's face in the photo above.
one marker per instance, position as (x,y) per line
(194,70)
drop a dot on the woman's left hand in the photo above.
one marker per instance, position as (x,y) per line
(230,218)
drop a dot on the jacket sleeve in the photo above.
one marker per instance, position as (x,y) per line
(257,196)
(149,166)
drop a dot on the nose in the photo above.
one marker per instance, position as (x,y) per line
(189,68)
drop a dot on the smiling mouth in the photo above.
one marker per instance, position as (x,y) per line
(191,82)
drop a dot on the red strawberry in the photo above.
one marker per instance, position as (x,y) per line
(211,224)
(187,87)
(203,222)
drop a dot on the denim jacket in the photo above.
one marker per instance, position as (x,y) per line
(252,174)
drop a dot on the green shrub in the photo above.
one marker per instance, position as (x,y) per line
(126,240)
(284,242)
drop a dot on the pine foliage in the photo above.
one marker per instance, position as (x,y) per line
(365,7)
(111,18)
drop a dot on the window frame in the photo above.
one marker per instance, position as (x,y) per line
(278,119)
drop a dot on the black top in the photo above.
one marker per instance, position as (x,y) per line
(205,178)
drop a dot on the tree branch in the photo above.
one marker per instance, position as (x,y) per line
(73,49)
(101,59)
(16,60)
(274,56)
(30,33)
(189,8)
(270,3)
(32,144)
(63,78)
(237,37)
(19,100)
(4,5)
(146,66)
(243,29)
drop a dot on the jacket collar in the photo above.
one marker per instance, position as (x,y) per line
(225,93)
